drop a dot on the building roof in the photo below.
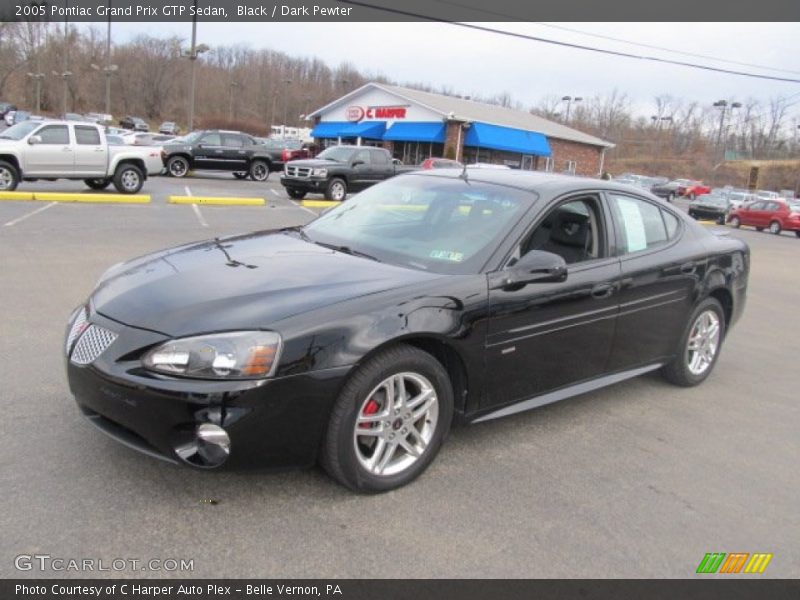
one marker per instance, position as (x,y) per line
(468,110)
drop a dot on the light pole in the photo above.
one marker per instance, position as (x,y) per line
(37,77)
(65,75)
(288,82)
(192,55)
(569,100)
(657,121)
(233,85)
(724,108)
(108,70)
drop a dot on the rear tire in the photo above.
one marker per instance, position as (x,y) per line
(775,227)
(97,184)
(336,190)
(398,449)
(735,222)
(797,233)
(128,179)
(178,166)
(259,170)
(697,354)
(9,177)
(721,220)
(296,194)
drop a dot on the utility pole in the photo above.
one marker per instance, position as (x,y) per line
(37,77)
(192,55)
(724,108)
(569,100)
(286,105)
(233,85)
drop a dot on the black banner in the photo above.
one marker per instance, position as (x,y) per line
(396,10)
(385,589)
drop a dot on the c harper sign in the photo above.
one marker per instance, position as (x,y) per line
(357,113)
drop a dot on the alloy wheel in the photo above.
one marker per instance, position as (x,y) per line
(260,172)
(130,180)
(6,178)
(337,191)
(703,342)
(775,227)
(395,424)
(178,168)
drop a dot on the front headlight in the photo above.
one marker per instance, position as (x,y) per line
(236,355)
(319,172)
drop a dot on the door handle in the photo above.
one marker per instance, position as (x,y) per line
(688,268)
(98,149)
(602,290)
(66,149)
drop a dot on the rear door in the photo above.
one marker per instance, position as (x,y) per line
(91,156)
(53,155)
(234,151)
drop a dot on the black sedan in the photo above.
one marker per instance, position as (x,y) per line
(358,339)
(710,206)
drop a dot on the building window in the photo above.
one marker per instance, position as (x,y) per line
(571,166)
(548,164)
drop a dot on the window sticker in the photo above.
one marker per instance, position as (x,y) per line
(447,255)
(634,225)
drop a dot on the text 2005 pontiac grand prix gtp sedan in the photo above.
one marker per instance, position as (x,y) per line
(358,339)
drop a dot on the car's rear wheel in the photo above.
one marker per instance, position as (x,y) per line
(699,346)
(178,166)
(336,190)
(9,177)
(128,179)
(296,194)
(389,421)
(259,170)
(97,184)
(775,227)
(735,222)
(721,220)
(797,233)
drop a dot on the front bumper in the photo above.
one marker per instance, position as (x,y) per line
(275,422)
(312,186)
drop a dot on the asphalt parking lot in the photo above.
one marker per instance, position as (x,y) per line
(638,480)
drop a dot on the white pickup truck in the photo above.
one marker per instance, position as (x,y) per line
(34,150)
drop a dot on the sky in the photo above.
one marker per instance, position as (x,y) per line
(480,63)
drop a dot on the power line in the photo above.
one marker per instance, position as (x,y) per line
(567,44)
(619,40)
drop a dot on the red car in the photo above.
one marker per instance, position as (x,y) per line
(694,189)
(440,163)
(775,215)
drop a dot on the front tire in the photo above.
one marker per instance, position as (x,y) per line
(178,166)
(699,346)
(97,184)
(9,177)
(259,170)
(336,190)
(735,222)
(128,179)
(389,421)
(775,227)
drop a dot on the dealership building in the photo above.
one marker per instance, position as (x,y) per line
(414,125)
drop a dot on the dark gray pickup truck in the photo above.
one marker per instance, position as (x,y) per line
(339,170)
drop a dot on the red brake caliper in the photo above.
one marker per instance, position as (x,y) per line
(370,409)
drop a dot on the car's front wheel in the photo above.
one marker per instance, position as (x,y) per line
(699,345)
(128,179)
(9,177)
(735,222)
(389,421)
(775,227)
(336,190)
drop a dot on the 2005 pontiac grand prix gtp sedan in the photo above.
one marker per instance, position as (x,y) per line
(359,338)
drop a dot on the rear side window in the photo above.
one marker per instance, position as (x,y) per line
(671,223)
(87,136)
(211,139)
(379,157)
(54,134)
(642,225)
(234,141)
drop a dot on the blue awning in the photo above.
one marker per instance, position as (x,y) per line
(366,129)
(416,132)
(509,139)
(329,129)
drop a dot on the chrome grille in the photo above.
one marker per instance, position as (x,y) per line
(92,344)
(293,171)
(78,326)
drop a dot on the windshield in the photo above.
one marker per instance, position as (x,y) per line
(433,223)
(716,200)
(20,130)
(190,138)
(337,153)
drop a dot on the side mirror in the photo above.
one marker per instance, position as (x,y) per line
(35,139)
(537,266)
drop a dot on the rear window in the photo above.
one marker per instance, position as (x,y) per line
(88,136)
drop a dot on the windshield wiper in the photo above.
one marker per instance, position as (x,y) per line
(298,229)
(347,250)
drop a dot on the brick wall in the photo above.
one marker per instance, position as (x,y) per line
(451,139)
(586,157)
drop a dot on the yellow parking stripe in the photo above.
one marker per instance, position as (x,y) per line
(16,195)
(92,198)
(319,203)
(218,200)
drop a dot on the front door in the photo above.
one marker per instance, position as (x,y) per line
(751,213)
(550,335)
(53,155)
(209,152)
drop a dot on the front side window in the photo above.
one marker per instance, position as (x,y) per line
(211,139)
(232,141)
(363,156)
(641,223)
(54,134)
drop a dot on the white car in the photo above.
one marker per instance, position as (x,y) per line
(68,150)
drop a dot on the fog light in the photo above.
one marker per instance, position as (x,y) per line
(209,447)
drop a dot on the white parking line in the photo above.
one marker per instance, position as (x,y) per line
(275,192)
(196,208)
(30,214)
(298,205)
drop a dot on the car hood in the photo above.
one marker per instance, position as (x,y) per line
(244,282)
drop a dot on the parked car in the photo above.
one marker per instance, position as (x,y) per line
(133,138)
(134,123)
(669,190)
(169,127)
(787,194)
(5,108)
(99,118)
(766,195)
(709,206)
(737,198)
(281,151)
(358,339)
(775,215)
(440,163)
(67,150)
(339,170)
(74,117)
(217,150)
(20,116)
(490,166)
(693,189)
(9,117)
